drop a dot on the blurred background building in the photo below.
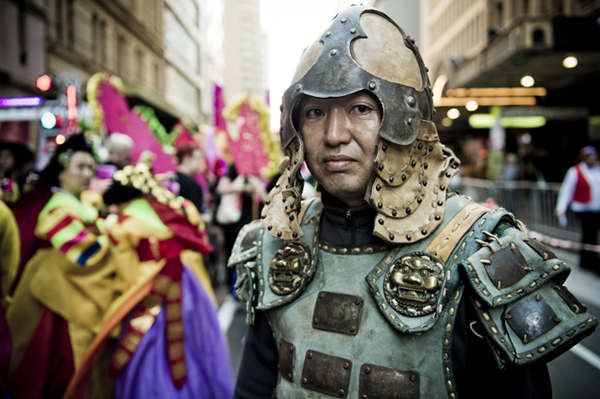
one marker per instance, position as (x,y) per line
(168,53)
(245,56)
(543,51)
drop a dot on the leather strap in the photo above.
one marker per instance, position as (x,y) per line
(443,244)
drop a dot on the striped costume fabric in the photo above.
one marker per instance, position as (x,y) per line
(69,225)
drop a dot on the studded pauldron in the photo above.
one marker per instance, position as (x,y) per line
(267,283)
(525,311)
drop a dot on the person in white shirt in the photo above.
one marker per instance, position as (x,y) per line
(581,189)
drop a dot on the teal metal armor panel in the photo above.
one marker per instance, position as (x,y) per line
(375,342)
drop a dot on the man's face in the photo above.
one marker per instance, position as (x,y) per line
(341,136)
(590,159)
(77,175)
(121,157)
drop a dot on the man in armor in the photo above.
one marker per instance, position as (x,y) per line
(388,285)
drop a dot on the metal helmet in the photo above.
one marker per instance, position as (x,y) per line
(364,49)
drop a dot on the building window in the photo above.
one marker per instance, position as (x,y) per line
(177,39)
(70,24)
(156,77)
(181,92)
(139,55)
(189,9)
(102,42)
(121,57)
(558,7)
(59,20)
(94,37)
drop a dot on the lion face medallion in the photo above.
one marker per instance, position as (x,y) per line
(289,269)
(413,284)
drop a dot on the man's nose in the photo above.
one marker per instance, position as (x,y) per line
(338,127)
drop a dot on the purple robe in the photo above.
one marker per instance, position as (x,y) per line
(209,372)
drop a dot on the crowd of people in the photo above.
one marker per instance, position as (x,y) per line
(105,283)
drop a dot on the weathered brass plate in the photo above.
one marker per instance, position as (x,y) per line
(286,360)
(337,312)
(377,382)
(326,374)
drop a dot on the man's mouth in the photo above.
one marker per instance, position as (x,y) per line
(338,163)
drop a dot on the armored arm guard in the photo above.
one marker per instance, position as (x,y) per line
(243,258)
(518,296)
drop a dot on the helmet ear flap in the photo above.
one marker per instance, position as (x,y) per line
(282,208)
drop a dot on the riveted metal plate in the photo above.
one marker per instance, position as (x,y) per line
(250,239)
(326,374)
(576,306)
(541,249)
(337,312)
(287,353)
(507,266)
(531,317)
(377,382)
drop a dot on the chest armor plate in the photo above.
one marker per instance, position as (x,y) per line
(339,322)
(357,322)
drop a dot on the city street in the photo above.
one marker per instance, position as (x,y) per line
(575,374)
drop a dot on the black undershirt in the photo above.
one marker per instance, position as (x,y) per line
(475,371)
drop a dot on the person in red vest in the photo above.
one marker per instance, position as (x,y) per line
(581,189)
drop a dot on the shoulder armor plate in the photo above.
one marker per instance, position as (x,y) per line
(272,272)
(518,297)
(414,285)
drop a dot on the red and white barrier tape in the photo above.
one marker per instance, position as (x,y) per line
(560,243)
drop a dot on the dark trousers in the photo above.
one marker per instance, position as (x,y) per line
(590,226)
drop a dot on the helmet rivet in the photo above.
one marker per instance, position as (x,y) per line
(410,100)
(344,20)
(333,52)
(353,30)
(372,85)
(298,87)
(409,121)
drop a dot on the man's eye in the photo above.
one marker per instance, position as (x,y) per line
(362,109)
(314,113)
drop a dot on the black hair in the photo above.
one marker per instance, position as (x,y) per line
(74,143)
(185,150)
(21,153)
(119,194)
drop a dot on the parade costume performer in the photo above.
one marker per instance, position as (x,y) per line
(170,344)
(389,286)
(581,190)
(65,287)
(9,250)
(9,261)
